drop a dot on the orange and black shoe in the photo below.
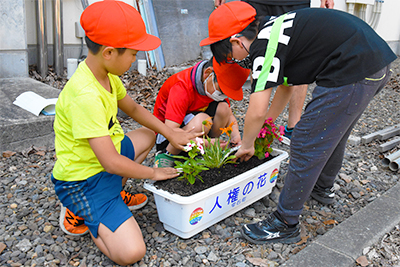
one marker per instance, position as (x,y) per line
(134,201)
(72,224)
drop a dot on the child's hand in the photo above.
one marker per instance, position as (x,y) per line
(244,154)
(181,137)
(235,141)
(164,173)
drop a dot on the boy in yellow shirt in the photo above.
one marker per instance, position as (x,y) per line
(94,156)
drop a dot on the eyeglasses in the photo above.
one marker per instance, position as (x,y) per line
(233,60)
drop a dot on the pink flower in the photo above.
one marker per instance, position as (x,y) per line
(199,141)
(201,148)
(266,154)
(281,130)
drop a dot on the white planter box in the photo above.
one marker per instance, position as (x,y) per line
(186,216)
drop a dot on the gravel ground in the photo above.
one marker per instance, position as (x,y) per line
(29,213)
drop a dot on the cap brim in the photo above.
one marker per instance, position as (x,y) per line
(232,94)
(151,42)
(208,41)
(231,78)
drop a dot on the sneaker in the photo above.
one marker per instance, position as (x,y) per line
(323,195)
(72,224)
(163,160)
(271,230)
(287,135)
(134,201)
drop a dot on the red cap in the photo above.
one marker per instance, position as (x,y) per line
(227,20)
(231,78)
(117,24)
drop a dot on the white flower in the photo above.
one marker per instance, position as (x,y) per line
(189,146)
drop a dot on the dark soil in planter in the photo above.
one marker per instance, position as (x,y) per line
(210,177)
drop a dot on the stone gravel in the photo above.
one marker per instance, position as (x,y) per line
(29,209)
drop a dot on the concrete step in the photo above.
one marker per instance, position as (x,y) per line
(20,129)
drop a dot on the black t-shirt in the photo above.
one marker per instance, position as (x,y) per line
(280,2)
(330,47)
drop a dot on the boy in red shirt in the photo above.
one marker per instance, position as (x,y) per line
(191,96)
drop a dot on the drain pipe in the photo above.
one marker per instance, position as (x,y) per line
(41,37)
(58,38)
(376,13)
(394,165)
(81,57)
(85,4)
(388,159)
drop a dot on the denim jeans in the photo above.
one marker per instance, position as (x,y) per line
(319,139)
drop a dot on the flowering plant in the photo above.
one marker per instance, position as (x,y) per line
(216,155)
(191,166)
(267,134)
(202,157)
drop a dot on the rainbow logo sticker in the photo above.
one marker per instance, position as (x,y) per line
(274,176)
(196,216)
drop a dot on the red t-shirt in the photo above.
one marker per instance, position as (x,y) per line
(178,97)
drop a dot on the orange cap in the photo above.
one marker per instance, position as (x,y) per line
(231,78)
(117,24)
(227,20)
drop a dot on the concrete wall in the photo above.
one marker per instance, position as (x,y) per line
(182,24)
(389,23)
(13,41)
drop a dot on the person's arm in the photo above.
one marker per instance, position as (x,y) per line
(327,3)
(255,117)
(177,138)
(115,163)
(173,125)
(256,114)
(279,102)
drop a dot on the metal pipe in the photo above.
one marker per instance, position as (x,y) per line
(350,8)
(363,10)
(41,37)
(377,13)
(85,4)
(386,161)
(394,165)
(58,38)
